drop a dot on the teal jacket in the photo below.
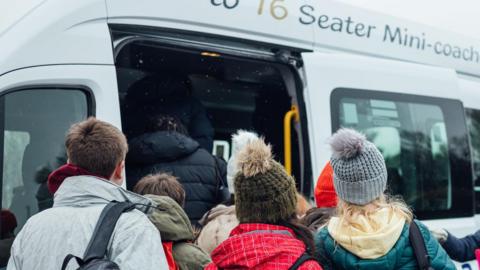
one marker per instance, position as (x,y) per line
(401,256)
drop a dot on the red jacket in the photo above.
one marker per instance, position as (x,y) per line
(260,246)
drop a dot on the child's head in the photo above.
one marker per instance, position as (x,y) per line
(163,122)
(360,177)
(264,192)
(161,184)
(98,147)
(8,224)
(360,173)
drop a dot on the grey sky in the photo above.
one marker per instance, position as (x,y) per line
(461,16)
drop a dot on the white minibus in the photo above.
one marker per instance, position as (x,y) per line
(293,71)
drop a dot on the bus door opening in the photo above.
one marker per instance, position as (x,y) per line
(228,93)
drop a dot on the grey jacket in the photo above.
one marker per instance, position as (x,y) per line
(66,228)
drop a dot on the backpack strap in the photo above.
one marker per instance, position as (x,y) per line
(97,247)
(418,245)
(301,260)
(69,258)
(222,193)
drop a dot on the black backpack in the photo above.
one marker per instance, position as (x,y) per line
(418,245)
(95,255)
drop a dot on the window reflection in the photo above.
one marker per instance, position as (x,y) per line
(35,124)
(413,140)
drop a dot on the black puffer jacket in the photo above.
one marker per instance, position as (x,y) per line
(197,170)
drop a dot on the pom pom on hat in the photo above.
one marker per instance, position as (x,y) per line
(255,158)
(242,138)
(239,140)
(347,143)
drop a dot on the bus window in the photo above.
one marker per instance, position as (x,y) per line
(34,125)
(212,94)
(473,124)
(412,135)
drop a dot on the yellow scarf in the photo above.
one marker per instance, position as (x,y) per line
(365,240)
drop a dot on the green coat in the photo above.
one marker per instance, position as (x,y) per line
(174,226)
(401,256)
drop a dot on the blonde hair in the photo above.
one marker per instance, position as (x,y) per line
(348,212)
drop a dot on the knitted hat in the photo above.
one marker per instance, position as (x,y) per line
(264,192)
(360,174)
(325,195)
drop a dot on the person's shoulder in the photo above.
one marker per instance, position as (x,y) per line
(202,157)
(323,240)
(190,256)
(203,152)
(38,224)
(134,224)
(43,218)
(423,229)
(322,232)
(134,218)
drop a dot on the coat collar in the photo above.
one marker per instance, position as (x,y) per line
(250,228)
(85,191)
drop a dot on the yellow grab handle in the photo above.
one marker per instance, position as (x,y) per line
(287,136)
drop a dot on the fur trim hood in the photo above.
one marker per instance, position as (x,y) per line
(239,140)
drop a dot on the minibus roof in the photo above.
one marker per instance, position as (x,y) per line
(307,25)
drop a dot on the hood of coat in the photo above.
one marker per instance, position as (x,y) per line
(85,191)
(161,146)
(261,244)
(219,210)
(170,219)
(369,238)
(217,224)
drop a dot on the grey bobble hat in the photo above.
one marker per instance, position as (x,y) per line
(359,171)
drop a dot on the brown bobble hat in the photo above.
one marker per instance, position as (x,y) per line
(264,192)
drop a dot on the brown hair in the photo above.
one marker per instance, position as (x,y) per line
(162,184)
(163,122)
(302,232)
(96,146)
(302,206)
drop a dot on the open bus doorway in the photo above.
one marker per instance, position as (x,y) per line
(229,93)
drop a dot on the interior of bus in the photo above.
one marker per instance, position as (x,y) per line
(232,92)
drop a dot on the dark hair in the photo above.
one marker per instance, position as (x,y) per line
(8,223)
(302,233)
(162,184)
(163,122)
(96,146)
